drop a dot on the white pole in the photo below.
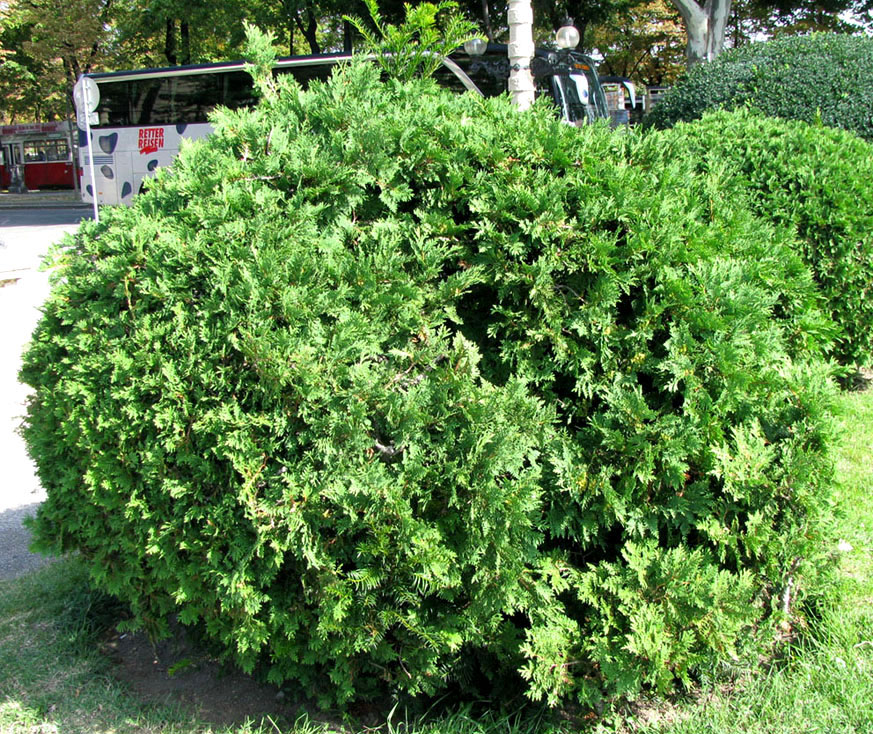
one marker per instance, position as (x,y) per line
(90,139)
(521,50)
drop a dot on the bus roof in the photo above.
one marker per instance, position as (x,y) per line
(191,69)
(493,49)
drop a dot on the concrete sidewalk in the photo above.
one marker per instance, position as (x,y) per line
(23,288)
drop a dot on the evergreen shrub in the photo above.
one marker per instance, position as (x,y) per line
(824,77)
(817,181)
(388,388)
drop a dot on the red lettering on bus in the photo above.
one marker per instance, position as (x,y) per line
(151,140)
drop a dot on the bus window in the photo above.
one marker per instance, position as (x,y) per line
(114,107)
(186,99)
(306,73)
(489,73)
(151,102)
(237,89)
(191,98)
(155,101)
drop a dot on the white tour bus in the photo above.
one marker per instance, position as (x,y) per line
(139,118)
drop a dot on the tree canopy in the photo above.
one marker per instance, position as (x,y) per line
(46,44)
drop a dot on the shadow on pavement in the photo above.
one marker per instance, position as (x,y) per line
(15,558)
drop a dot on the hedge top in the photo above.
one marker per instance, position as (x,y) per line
(817,181)
(826,78)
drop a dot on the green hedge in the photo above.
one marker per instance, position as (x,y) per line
(817,181)
(822,77)
(392,400)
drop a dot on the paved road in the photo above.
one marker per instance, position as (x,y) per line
(25,235)
(54,216)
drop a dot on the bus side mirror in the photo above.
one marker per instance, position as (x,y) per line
(632,92)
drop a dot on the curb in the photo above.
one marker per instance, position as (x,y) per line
(45,205)
(38,200)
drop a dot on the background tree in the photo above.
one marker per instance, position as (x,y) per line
(585,14)
(710,24)
(70,34)
(171,32)
(25,93)
(754,18)
(705,26)
(46,45)
(308,26)
(645,43)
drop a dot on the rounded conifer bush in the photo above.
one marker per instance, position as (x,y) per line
(824,77)
(817,181)
(400,399)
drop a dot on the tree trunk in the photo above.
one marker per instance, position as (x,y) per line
(486,20)
(347,37)
(309,30)
(170,42)
(185,35)
(705,26)
(71,69)
(583,29)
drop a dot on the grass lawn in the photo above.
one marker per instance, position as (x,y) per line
(54,678)
(825,684)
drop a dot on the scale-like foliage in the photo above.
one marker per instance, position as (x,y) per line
(378,381)
(814,179)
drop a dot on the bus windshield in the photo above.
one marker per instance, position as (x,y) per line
(583,101)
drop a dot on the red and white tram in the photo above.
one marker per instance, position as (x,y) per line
(41,153)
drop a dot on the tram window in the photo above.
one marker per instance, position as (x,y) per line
(34,152)
(46,150)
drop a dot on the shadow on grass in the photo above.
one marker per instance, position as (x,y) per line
(858,381)
(64,666)
(62,663)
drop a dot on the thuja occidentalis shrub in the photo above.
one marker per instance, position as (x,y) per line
(813,179)
(386,388)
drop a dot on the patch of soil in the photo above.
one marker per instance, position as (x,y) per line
(178,671)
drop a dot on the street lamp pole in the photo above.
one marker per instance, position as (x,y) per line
(521,50)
